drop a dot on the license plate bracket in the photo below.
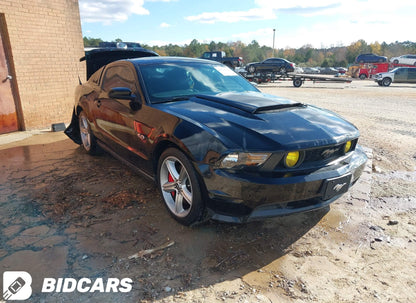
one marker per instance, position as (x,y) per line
(336,186)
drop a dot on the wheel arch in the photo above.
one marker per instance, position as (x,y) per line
(162,146)
(78,109)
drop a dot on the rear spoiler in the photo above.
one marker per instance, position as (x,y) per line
(99,57)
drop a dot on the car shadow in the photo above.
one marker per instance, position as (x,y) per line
(110,220)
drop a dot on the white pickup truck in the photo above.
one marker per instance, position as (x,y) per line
(397,75)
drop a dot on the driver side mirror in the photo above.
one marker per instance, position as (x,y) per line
(124,93)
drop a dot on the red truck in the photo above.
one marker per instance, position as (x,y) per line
(368,70)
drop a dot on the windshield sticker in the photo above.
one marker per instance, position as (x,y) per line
(225,71)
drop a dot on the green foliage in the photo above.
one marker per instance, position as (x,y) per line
(91,42)
(304,56)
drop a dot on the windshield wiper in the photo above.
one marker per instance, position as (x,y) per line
(177,98)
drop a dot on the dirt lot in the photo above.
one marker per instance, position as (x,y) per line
(66,214)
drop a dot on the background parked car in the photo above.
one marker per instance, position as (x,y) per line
(329,71)
(271,65)
(219,56)
(299,70)
(311,70)
(397,75)
(370,58)
(405,59)
(341,70)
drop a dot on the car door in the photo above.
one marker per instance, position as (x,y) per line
(404,60)
(412,75)
(264,66)
(278,64)
(401,75)
(115,118)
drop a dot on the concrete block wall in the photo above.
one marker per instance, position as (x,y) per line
(46,44)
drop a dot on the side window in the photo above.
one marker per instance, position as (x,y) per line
(119,76)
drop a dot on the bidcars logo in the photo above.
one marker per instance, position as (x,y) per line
(87,285)
(17,285)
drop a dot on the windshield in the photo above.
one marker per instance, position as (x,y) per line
(175,81)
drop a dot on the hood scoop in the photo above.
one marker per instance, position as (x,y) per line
(251,103)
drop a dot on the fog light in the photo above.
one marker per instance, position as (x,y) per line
(292,158)
(347,147)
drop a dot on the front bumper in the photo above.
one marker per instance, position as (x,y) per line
(241,198)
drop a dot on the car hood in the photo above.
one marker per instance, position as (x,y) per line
(256,121)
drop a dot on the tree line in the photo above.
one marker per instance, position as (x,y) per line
(304,56)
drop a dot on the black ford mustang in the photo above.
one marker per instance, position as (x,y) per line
(216,146)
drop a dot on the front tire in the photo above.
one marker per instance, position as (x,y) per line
(386,81)
(251,69)
(179,186)
(87,137)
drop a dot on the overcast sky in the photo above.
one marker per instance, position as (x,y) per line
(321,23)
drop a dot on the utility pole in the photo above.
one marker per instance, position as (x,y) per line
(274,31)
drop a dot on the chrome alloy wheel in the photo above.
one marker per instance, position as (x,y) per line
(176,186)
(85,132)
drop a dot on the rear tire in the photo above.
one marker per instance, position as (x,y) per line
(363,77)
(87,137)
(179,186)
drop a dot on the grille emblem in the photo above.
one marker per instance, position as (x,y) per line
(328,152)
(338,187)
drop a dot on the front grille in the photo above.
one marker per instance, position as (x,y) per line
(317,157)
(324,153)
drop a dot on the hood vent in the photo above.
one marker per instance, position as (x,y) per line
(251,103)
(263,109)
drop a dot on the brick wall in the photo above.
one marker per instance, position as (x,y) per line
(46,44)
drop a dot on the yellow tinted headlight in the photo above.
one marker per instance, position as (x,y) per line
(347,147)
(292,158)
